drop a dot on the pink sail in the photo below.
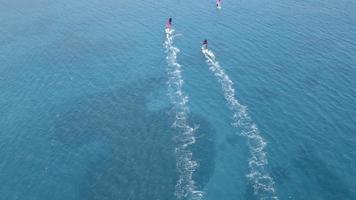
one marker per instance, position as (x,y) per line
(168,25)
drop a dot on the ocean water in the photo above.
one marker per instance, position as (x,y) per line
(97,101)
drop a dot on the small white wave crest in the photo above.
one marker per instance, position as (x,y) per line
(186,165)
(261,181)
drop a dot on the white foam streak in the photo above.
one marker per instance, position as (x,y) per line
(185,187)
(258,176)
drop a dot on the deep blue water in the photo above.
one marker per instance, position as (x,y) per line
(85,111)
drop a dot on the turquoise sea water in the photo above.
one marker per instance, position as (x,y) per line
(86,106)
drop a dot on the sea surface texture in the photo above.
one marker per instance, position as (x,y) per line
(99,102)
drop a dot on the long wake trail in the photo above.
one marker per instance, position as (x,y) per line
(261,181)
(185,186)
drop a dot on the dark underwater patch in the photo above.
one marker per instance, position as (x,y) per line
(233,139)
(203,150)
(140,163)
(249,193)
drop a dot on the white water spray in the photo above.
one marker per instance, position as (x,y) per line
(185,186)
(258,176)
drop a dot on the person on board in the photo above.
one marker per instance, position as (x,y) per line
(169,23)
(205,44)
(218,3)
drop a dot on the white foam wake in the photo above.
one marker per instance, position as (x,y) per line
(185,187)
(258,176)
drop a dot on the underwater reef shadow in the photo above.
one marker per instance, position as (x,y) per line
(139,161)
